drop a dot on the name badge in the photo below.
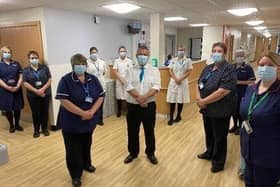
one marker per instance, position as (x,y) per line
(247,126)
(11,81)
(88,99)
(201,85)
(38,83)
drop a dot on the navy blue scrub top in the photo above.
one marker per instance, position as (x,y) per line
(32,76)
(72,89)
(223,77)
(9,73)
(262,146)
(244,73)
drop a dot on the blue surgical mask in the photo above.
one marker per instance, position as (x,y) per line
(7,56)
(142,60)
(267,73)
(122,54)
(240,59)
(80,69)
(34,62)
(217,57)
(93,56)
(181,54)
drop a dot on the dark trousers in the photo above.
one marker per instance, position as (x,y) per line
(256,176)
(13,116)
(216,130)
(135,116)
(40,112)
(77,148)
(237,119)
(101,113)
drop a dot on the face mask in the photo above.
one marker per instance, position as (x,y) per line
(80,69)
(181,54)
(7,55)
(142,60)
(240,59)
(122,54)
(34,61)
(217,57)
(93,56)
(267,73)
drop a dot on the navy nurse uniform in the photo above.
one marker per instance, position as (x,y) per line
(261,147)
(11,101)
(77,133)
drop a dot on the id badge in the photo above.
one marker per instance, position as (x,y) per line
(247,127)
(88,99)
(201,85)
(11,81)
(38,83)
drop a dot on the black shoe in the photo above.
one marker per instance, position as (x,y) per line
(90,169)
(153,159)
(19,128)
(204,156)
(237,131)
(12,129)
(129,158)
(36,134)
(216,169)
(170,122)
(46,133)
(177,119)
(119,114)
(76,182)
(232,129)
(101,123)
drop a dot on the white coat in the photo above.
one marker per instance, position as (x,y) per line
(98,68)
(179,93)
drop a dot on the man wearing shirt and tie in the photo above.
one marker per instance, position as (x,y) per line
(143,83)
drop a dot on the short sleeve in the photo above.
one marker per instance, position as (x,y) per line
(48,72)
(99,89)
(63,91)
(129,79)
(229,79)
(156,82)
(171,64)
(251,74)
(189,64)
(25,76)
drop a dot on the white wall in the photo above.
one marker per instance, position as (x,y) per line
(185,34)
(211,35)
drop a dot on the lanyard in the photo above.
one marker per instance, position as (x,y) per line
(253,106)
(86,89)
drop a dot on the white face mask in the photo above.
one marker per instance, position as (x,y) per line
(240,59)
(267,73)
(94,56)
(123,54)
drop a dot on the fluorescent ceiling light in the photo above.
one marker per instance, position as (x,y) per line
(260,28)
(254,23)
(199,25)
(242,11)
(122,8)
(179,18)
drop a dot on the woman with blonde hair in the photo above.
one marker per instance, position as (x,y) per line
(260,133)
(10,88)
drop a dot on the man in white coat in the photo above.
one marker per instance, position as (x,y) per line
(97,67)
(178,88)
(120,67)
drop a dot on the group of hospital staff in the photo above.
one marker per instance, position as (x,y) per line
(224,90)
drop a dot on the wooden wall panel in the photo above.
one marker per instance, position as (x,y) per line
(22,38)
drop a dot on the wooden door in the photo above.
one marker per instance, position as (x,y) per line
(22,38)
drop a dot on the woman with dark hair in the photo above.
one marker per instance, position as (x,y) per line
(216,100)
(81,96)
(10,88)
(37,81)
